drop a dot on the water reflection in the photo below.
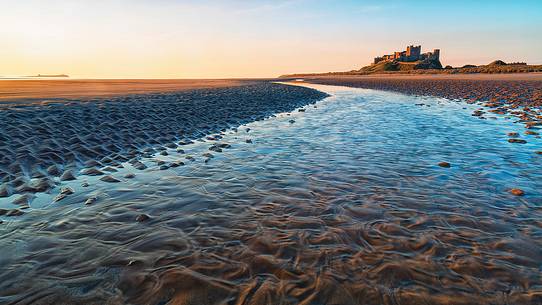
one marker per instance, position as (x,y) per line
(343,203)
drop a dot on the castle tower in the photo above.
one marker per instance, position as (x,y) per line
(413,52)
(436,53)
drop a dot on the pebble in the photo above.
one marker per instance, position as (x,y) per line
(163,167)
(208,155)
(444,164)
(142,217)
(109,179)
(91,172)
(532,133)
(138,165)
(91,200)
(85,184)
(176,164)
(129,176)
(513,134)
(109,169)
(517,192)
(520,141)
(248,140)
(291,121)
(67,176)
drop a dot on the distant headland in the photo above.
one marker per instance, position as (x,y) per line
(49,75)
(413,61)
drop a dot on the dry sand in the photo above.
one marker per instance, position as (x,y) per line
(18,90)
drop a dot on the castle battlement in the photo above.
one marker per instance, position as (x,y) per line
(412,53)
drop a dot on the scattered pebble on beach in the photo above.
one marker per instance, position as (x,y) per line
(517,192)
(444,164)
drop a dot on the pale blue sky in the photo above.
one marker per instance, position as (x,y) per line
(194,39)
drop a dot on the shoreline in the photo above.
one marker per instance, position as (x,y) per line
(518,95)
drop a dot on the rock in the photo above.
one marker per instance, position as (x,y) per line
(109,179)
(160,162)
(444,164)
(176,164)
(517,192)
(247,130)
(164,153)
(190,158)
(208,155)
(109,169)
(65,191)
(301,110)
(129,176)
(85,184)
(181,151)
(54,170)
(142,217)
(532,133)
(248,140)
(91,172)
(67,176)
(513,134)
(224,145)
(215,148)
(164,167)
(91,200)
(138,165)
(538,152)
(291,121)
(519,141)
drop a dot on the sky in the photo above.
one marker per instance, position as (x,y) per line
(258,38)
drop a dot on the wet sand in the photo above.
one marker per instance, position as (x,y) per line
(42,144)
(519,95)
(28,90)
(340,202)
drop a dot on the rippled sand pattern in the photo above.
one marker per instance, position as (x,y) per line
(339,204)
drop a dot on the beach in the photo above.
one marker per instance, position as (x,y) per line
(273,193)
(516,94)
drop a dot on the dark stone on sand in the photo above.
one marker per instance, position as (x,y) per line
(67,176)
(291,121)
(248,140)
(513,134)
(53,170)
(63,193)
(85,184)
(91,172)
(109,179)
(519,141)
(180,151)
(164,153)
(517,192)
(208,155)
(247,130)
(160,162)
(163,167)
(3,212)
(142,217)
(138,165)
(301,110)
(224,145)
(215,148)
(109,169)
(190,158)
(539,152)
(532,133)
(444,164)
(176,164)
(91,200)
(129,176)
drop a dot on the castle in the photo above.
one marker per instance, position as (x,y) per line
(412,53)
